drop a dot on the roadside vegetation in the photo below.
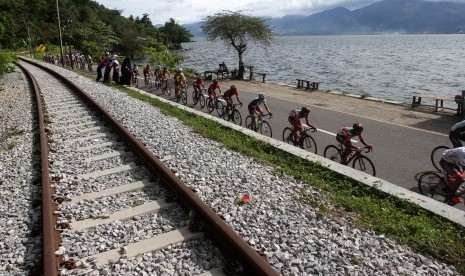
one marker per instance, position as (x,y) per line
(366,207)
(86,26)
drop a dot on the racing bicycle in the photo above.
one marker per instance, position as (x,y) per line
(436,185)
(359,161)
(198,97)
(261,125)
(182,95)
(230,113)
(166,88)
(305,140)
(217,104)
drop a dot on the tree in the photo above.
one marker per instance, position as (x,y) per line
(175,34)
(236,29)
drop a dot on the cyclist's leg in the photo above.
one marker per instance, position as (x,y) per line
(455,139)
(347,146)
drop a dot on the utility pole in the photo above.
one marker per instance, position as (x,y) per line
(61,40)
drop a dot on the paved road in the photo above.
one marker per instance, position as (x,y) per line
(400,153)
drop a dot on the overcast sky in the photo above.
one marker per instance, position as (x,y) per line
(191,11)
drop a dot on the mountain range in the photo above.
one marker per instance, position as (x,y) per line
(384,17)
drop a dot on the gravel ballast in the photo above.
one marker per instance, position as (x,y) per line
(295,239)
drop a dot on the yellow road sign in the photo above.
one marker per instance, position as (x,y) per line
(41,48)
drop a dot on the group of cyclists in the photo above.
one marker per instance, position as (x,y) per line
(344,136)
(74,59)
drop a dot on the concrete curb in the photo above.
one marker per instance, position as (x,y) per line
(448,212)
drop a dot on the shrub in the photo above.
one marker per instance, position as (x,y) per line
(6,58)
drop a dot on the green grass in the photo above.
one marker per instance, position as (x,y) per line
(396,218)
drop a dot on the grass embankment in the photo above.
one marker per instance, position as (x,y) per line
(398,219)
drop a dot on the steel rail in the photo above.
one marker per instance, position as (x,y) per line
(231,244)
(51,238)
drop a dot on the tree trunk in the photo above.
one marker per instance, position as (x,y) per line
(240,73)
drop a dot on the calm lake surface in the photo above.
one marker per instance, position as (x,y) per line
(391,67)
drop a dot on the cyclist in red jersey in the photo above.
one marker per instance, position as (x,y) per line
(229,94)
(211,89)
(294,118)
(198,83)
(344,137)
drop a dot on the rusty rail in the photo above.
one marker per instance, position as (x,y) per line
(51,239)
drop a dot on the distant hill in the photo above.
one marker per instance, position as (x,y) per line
(388,16)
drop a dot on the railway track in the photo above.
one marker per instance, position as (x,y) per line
(110,206)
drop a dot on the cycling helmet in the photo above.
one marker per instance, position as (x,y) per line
(357,127)
(305,110)
(233,88)
(215,81)
(179,70)
(158,67)
(261,95)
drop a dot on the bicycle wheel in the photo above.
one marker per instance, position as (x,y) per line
(265,129)
(237,117)
(168,89)
(364,164)
(225,114)
(202,101)
(210,105)
(150,83)
(248,122)
(219,108)
(436,156)
(308,143)
(431,185)
(333,153)
(195,97)
(287,135)
(184,97)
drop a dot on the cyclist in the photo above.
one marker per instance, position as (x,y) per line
(211,89)
(228,97)
(344,137)
(157,74)
(452,161)
(179,81)
(164,75)
(147,72)
(254,108)
(457,134)
(198,82)
(135,72)
(294,118)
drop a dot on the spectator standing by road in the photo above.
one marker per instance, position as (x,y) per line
(126,72)
(115,70)
(106,74)
(101,64)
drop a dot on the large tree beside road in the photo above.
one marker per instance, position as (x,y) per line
(236,30)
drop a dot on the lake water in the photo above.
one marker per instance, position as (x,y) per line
(391,67)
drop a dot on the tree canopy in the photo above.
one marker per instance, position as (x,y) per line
(236,30)
(86,25)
